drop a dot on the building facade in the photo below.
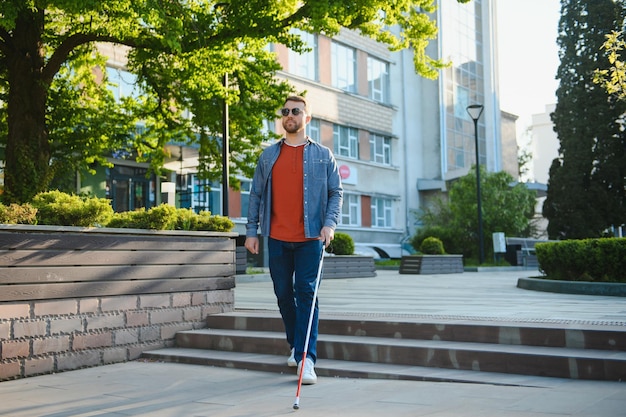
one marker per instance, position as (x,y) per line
(398,138)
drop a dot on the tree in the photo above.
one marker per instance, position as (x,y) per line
(59,114)
(586,190)
(506,208)
(613,79)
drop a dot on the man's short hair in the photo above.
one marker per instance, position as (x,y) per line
(299,99)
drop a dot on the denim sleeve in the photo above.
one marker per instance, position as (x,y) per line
(254,205)
(335,194)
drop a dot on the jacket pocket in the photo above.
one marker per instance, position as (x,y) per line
(320,167)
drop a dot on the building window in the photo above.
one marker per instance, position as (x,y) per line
(381,212)
(245,196)
(343,67)
(346,141)
(350,210)
(378,80)
(305,64)
(380,149)
(464,84)
(200,195)
(313,130)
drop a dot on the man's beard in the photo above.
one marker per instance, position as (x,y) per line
(292,126)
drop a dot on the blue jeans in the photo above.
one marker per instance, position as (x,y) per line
(293,267)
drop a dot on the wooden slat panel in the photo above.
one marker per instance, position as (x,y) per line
(410,265)
(24,275)
(23,292)
(70,258)
(85,241)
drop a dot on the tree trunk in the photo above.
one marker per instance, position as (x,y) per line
(27,169)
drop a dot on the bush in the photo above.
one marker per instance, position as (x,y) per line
(447,238)
(216,223)
(600,260)
(18,214)
(186,219)
(342,244)
(161,217)
(167,217)
(432,246)
(62,209)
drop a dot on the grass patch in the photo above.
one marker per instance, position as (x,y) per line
(387,262)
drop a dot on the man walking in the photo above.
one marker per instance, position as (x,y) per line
(295,197)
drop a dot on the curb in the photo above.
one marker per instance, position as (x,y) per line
(614,289)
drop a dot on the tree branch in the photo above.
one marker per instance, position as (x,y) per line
(61,54)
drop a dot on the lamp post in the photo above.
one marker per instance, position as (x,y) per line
(225,153)
(475,110)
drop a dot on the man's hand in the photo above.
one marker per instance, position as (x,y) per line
(252,244)
(327,235)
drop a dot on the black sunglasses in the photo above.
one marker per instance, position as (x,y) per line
(295,111)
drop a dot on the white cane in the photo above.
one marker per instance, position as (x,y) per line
(296,405)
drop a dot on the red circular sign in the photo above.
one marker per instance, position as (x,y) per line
(344,171)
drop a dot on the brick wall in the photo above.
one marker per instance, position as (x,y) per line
(40,337)
(77,297)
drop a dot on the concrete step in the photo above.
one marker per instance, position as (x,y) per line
(504,358)
(582,336)
(341,369)
(405,348)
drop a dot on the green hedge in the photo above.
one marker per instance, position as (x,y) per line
(449,241)
(596,260)
(18,214)
(432,246)
(62,209)
(342,244)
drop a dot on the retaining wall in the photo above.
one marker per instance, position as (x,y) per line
(73,297)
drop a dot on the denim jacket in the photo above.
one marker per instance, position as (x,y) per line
(323,193)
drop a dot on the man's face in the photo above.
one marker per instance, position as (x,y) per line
(293,123)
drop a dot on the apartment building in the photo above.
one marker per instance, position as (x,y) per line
(437,134)
(399,139)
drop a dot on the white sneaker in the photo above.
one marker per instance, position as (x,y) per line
(291,362)
(309,377)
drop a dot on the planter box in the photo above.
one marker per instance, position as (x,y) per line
(348,266)
(44,262)
(431,264)
(242,260)
(73,297)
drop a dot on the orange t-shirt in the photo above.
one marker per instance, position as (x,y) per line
(287,222)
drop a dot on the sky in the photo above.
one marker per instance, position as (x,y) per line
(528,57)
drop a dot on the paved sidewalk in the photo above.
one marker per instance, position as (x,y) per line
(143,388)
(491,295)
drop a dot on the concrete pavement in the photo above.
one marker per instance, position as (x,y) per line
(143,388)
(485,295)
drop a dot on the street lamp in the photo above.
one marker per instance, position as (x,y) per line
(225,152)
(475,110)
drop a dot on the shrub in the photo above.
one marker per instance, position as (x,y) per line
(18,214)
(450,242)
(167,217)
(432,246)
(342,244)
(216,223)
(601,260)
(186,219)
(62,209)
(162,217)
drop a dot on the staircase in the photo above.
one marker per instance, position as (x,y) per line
(407,348)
